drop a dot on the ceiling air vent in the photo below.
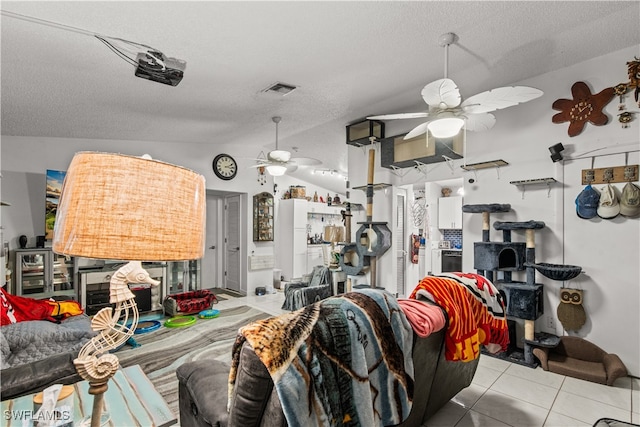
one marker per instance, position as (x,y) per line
(280,88)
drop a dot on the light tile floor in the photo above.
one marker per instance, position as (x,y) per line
(508,394)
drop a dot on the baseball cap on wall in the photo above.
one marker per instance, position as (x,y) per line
(609,207)
(587,202)
(630,200)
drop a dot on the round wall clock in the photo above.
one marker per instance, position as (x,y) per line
(225,167)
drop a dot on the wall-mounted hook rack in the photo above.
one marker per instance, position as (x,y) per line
(610,175)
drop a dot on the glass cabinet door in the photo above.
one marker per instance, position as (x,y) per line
(62,272)
(42,274)
(183,276)
(31,275)
(263,217)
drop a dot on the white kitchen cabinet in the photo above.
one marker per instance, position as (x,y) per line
(314,256)
(450,213)
(291,238)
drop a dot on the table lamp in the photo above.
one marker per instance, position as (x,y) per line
(128,208)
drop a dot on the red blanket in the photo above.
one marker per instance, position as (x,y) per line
(14,309)
(475,309)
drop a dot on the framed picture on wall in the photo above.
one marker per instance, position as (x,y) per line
(54,187)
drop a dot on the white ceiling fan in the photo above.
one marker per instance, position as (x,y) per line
(277,161)
(448,113)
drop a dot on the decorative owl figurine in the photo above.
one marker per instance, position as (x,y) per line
(570,310)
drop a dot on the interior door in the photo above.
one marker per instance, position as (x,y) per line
(232,248)
(210,261)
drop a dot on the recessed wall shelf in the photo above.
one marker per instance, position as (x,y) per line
(484,165)
(525,182)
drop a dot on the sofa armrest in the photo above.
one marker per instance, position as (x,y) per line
(614,367)
(36,376)
(542,353)
(253,388)
(202,393)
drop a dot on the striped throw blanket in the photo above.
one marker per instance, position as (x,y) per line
(475,310)
(342,361)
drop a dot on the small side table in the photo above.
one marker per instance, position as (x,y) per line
(541,339)
(130,400)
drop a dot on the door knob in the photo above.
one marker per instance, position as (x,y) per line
(212,247)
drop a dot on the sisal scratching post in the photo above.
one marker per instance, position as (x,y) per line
(373,261)
(485,226)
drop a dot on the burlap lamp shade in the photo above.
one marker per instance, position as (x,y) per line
(114,206)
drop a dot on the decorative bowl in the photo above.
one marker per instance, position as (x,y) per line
(556,271)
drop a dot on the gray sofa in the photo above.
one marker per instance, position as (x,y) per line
(39,353)
(203,388)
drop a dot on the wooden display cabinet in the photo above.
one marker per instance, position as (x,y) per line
(263,217)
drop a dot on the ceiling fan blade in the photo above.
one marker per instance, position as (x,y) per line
(306,161)
(441,91)
(499,98)
(418,130)
(479,122)
(399,116)
(291,166)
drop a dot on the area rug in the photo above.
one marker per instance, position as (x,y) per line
(164,349)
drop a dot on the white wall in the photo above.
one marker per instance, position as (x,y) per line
(607,250)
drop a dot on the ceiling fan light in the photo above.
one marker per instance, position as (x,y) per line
(446,127)
(276,170)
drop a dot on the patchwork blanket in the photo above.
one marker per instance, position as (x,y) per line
(342,361)
(475,310)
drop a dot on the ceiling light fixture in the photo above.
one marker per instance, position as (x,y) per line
(449,112)
(446,127)
(276,170)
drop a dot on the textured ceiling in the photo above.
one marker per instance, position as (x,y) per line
(349,59)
